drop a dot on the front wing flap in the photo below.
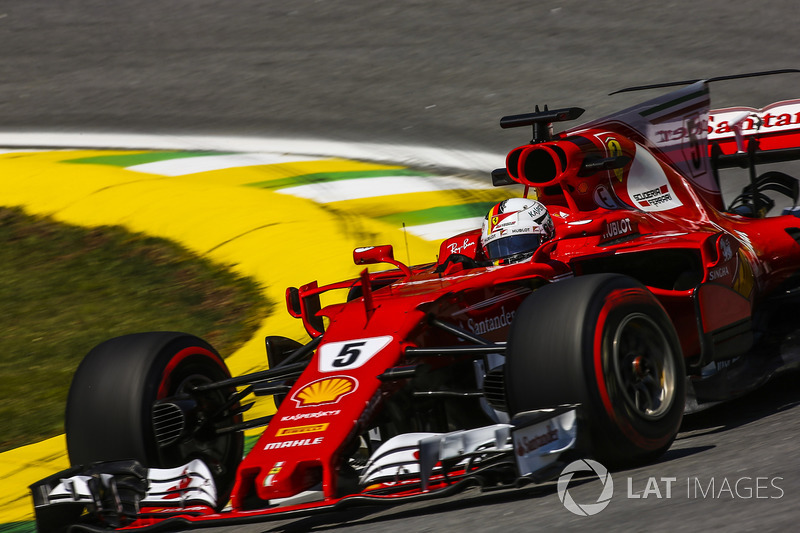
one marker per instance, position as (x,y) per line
(125,495)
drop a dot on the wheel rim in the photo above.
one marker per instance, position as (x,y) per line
(215,450)
(644,366)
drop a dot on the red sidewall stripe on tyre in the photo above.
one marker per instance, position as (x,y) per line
(612,300)
(178,358)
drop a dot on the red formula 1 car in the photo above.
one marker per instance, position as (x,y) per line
(649,298)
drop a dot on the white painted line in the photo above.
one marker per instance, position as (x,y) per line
(182,166)
(269,150)
(407,155)
(444,230)
(19,151)
(338,191)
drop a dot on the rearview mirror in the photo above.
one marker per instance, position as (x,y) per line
(371,255)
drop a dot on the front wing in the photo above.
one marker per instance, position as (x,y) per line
(124,495)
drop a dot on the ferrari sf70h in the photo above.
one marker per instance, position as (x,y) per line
(653,297)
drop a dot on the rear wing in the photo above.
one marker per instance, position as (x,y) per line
(741,136)
(680,128)
(745,137)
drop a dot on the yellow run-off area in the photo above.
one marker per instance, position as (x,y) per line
(277,239)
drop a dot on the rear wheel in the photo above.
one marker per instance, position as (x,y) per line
(605,342)
(109,413)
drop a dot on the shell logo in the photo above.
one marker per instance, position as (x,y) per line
(324,391)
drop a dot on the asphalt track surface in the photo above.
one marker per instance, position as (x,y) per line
(438,74)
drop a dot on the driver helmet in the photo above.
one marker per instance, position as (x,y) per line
(514,229)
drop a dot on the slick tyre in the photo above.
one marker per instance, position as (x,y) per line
(602,341)
(109,406)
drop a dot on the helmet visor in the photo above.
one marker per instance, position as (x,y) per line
(513,245)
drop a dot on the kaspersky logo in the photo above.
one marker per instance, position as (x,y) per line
(586,509)
(324,391)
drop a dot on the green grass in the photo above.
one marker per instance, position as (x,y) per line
(64,289)
(18,527)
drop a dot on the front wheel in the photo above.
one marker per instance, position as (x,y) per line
(605,342)
(110,407)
